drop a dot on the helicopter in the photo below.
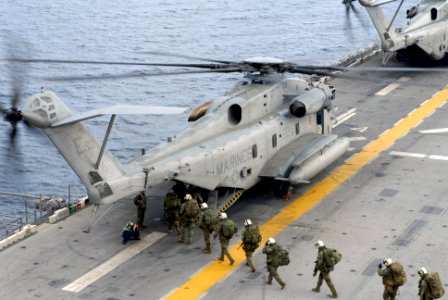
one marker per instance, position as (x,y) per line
(424,36)
(268,126)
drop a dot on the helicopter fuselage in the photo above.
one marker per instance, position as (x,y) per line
(263,119)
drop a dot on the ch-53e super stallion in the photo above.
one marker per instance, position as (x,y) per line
(268,126)
(424,36)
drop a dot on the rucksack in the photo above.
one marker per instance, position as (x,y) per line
(228,229)
(172,201)
(191,209)
(252,235)
(331,257)
(398,275)
(435,285)
(281,256)
(211,217)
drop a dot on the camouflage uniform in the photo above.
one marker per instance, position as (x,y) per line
(140,202)
(249,248)
(423,289)
(390,290)
(224,243)
(324,273)
(188,223)
(270,251)
(197,196)
(172,211)
(207,230)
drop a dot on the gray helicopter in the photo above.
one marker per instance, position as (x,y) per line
(423,36)
(268,126)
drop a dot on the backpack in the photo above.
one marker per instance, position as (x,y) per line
(398,274)
(191,209)
(252,235)
(281,256)
(172,201)
(211,217)
(228,229)
(331,257)
(435,285)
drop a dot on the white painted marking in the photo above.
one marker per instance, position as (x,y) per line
(388,89)
(438,157)
(419,155)
(344,117)
(404,79)
(439,130)
(357,138)
(360,129)
(106,267)
(407,154)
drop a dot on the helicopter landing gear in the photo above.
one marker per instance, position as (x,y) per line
(386,57)
(281,188)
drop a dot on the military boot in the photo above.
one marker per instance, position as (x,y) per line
(334,294)
(207,249)
(316,290)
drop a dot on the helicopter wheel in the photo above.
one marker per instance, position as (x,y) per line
(281,188)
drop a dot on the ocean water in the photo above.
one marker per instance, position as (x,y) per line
(308,32)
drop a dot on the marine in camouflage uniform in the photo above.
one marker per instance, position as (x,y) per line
(196,194)
(207,230)
(248,246)
(188,222)
(423,286)
(324,271)
(140,202)
(390,289)
(172,207)
(270,249)
(224,241)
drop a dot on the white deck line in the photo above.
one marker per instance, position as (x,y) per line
(106,267)
(388,89)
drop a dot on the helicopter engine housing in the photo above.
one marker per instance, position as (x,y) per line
(312,101)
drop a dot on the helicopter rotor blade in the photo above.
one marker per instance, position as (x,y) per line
(65,61)
(135,75)
(187,57)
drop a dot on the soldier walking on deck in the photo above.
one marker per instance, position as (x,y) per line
(140,202)
(272,251)
(393,277)
(250,241)
(208,221)
(226,229)
(326,259)
(189,213)
(172,207)
(430,285)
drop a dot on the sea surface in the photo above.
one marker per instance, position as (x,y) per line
(304,32)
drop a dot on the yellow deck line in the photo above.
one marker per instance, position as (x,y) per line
(216,270)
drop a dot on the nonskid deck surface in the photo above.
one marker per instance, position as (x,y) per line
(392,204)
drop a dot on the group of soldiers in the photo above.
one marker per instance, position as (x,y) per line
(185,214)
(393,276)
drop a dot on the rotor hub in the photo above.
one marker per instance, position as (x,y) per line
(13,116)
